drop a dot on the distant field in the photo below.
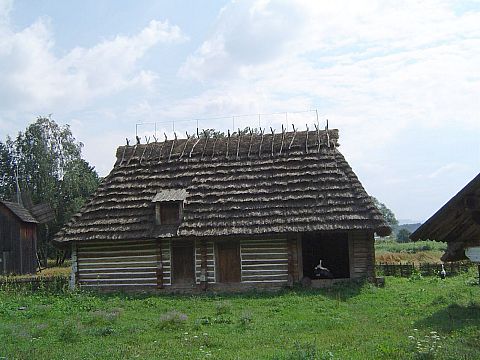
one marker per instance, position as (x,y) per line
(392,252)
(416,318)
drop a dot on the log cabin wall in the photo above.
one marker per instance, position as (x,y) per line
(119,264)
(264,261)
(268,261)
(210,260)
(166,266)
(362,254)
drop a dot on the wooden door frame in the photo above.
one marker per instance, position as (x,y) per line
(172,268)
(215,250)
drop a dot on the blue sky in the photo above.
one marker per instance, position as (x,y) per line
(400,80)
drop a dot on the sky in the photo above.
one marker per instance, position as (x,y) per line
(400,80)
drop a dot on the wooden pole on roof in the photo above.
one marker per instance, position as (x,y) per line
(161,148)
(214,143)
(261,143)
(273,138)
(306,140)
(293,136)
(328,135)
(147,140)
(173,145)
(193,147)
(186,143)
(228,141)
(250,145)
(283,138)
(205,135)
(238,142)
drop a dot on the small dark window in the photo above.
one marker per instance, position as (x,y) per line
(168,213)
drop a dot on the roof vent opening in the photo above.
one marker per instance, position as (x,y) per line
(169,206)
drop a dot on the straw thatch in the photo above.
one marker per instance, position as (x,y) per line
(239,185)
(457,222)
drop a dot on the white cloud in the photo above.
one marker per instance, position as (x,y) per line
(34,78)
(380,64)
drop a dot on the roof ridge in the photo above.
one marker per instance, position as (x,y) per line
(234,146)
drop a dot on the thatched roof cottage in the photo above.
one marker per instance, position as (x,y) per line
(235,212)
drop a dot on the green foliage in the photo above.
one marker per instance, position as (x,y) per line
(386,212)
(50,170)
(403,236)
(343,322)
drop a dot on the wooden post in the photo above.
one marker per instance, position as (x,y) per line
(203,265)
(159,265)
(74,274)
(290,245)
(478,266)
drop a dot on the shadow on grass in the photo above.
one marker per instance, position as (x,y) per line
(339,292)
(453,317)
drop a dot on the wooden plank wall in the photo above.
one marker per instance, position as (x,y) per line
(362,254)
(166,261)
(117,264)
(264,261)
(210,261)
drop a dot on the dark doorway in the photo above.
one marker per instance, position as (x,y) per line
(228,262)
(183,262)
(331,248)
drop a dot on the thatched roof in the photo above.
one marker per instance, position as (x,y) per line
(457,222)
(240,185)
(19,211)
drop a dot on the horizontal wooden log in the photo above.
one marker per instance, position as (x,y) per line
(110,254)
(117,275)
(118,258)
(119,280)
(114,269)
(99,264)
(265,281)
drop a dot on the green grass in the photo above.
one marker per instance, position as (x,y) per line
(343,322)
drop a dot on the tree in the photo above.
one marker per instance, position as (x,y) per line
(388,214)
(47,159)
(403,235)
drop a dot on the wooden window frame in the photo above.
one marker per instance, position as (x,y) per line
(158,212)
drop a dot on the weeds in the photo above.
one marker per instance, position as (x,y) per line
(172,320)
(427,346)
(305,351)
(223,307)
(68,331)
(246,318)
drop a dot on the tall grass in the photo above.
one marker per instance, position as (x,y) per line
(410,247)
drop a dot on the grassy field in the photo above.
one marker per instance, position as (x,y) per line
(392,252)
(416,318)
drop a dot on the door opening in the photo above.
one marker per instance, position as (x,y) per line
(331,249)
(183,262)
